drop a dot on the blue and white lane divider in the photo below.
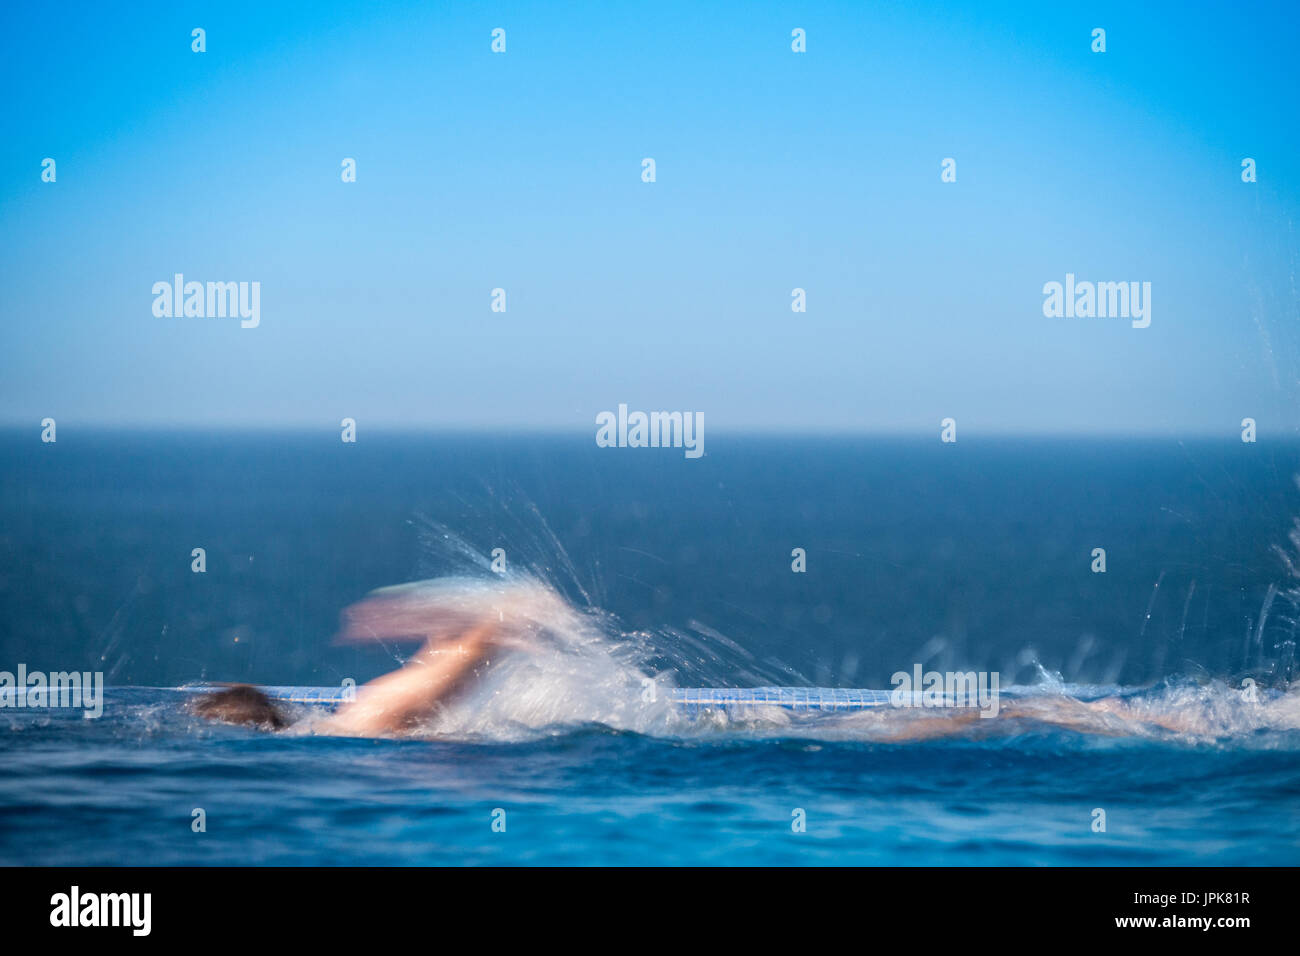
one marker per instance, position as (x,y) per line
(693,700)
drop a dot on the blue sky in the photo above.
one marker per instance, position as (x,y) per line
(775,170)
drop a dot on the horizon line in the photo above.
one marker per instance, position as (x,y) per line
(461,430)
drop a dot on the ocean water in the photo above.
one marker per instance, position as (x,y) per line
(974,556)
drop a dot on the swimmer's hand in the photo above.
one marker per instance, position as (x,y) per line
(444,610)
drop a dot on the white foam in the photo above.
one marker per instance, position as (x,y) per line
(560,666)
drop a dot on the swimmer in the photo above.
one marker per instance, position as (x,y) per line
(389,704)
(464,629)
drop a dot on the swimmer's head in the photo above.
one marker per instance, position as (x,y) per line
(240,704)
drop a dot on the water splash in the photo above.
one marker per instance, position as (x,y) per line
(565,667)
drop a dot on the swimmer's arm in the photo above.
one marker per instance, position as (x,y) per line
(395,701)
